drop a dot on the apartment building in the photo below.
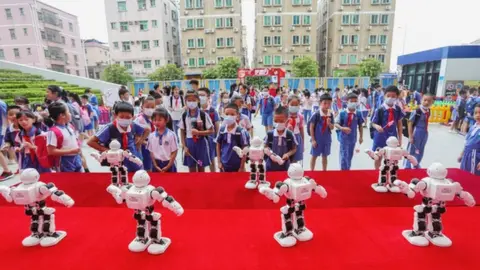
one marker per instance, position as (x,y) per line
(143,35)
(245,60)
(211,31)
(36,34)
(352,30)
(284,30)
(98,57)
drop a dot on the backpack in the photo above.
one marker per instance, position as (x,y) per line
(379,111)
(310,121)
(45,160)
(471,105)
(85,117)
(203,117)
(237,136)
(76,118)
(418,114)
(290,139)
(181,99)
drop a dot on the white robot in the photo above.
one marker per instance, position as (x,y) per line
(297,189)
(141,198)
(32,194)
(115,157)
(391,154)
(436,189)
(255,153)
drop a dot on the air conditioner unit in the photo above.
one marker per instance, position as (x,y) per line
(337,66)
(138,41)
(289,62)
(144,72)
(186,12)
(384,47)
(292,28)
(134,61)
(67,62)
(279,9)
(385,28)
(357,28)
(185,63)
(188,51)
(367,48)
(202,11)
(184,29)
(234,50)
(260,61)
(137,72)
(341,47)
(264,49)
(340,29)
(341,8)
(309,29)
(201,51)
(310,9)
(370,28)
(130,23)
(355,48)
(214,50)
(136,22)
(272,29)
(235,30)
(388,7)
(284,62)
(264,10)
(309,48)
(279,29)
(212,31)
(358,7)
(207,31)
(292,49)
(280,49)
(232,10)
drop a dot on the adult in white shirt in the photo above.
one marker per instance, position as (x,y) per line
(176,106)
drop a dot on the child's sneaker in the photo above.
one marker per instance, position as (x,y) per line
(5,176)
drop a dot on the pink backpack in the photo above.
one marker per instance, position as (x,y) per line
(85,117)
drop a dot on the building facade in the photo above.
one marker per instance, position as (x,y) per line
(34,33)
(143,35)
(349,31)
(98,57)
(211,31)
(284,30)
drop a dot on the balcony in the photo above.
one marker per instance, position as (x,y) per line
(50,18)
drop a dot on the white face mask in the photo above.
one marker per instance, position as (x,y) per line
(124,122)
(228,120)
(192,105)
(226,100)
(148,112)
(280,126)
(390,101)
(293,109)
(352,106)
(203,100)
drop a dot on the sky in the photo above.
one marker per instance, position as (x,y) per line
(419,24)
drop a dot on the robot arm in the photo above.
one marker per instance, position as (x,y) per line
(118,193)
(274,194)
(371,154)
(5,191)
(405,188)
(410,158)
(466,197)
(241,152)
(274,157)
(167,201)
(132,158)
(320,190)
(99,157)
(57,195)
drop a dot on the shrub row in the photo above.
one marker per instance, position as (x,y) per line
(9,71)
(35,85)
(20,76)
(29,93)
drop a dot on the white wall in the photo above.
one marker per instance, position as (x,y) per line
(465,69)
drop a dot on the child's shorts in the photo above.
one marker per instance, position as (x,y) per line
(322,149)
(267,120)
(163,164)
(200,151)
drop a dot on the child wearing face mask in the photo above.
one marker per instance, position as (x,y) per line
(162,143)
(387,121)
(87,113)
(281,141)
(266,107)
(144,119)
(295,124)
(130,135)
(347,122)
(204,95)
(224,101)
(320,127)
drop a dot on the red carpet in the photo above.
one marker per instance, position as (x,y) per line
(227,227)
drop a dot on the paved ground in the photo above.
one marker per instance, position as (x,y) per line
(442,147)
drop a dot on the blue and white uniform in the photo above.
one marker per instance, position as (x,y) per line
(162,145)
(238,136)
(420,137)
(68,163)
(322,133)
(471,152)
(280,146)
(414,97)
(347,142)
(145,122)
(87,108)
(298,120)
(215,117)
(3,122)
(247,101)
(198,146)
(29,159)
(267,106)
(389,129)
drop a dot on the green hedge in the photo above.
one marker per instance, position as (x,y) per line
(9,71)
(19,76)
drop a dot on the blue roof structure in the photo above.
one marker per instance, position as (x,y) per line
(464,51)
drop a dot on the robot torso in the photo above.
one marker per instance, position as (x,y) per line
(440,190)
(393,154)
(298,190)
(139,198)
(28,194)
(256,153)
(115,157)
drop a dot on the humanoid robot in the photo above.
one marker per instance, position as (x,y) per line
(32,194)
(115,156)
(391,154)
(297,189)
(141,198)
(436,190)
(255,153)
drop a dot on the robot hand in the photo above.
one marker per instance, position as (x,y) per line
(320,190)
(63,199)
(277,159)
(132,158)
(96,156)
(5,191)
(270,194)
(467,198)
(238,150)
(173,206)
(404,188)
(371,154)
(412,160)
(116,193)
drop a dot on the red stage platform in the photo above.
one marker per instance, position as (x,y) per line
(228,227)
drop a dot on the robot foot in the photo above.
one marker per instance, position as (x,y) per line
(159,247)
(139,245)
(379,188)
(303,234)
(438,240)
(52,240)
(418,240)
(285,240)
(263,184)
(32,240)
(393,189)
(251,184)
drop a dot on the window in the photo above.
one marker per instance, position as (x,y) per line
(344,40)
(372,56)
(147,64)
(73,42)
(385,18)
(355,2)
(381,58)
(228,22)
(354,40)
(152,3)
(372,40)
(295,57)
(386,2)
(267,60)
(375,2)
(296,20)
(70,26)
(296,2)
(199,24)
(143,25)
(8,12)
(25,32)
(189,4)
(113,26)
(29,51)
(277,2)
(219,23)
(218,3)
(63,40)
(228,3)
(77,72)
(353,59)
(68,71)
(42,33)
(374,19)
(174,32)
(296,40)
(307,20)
(123,26)
(75,57)
(345,19)
(40,16)
(128,65)
(12,34)
(122,6)
(267,41)
(306,40)
(157,63)
(141,4)
(21,12)
(168,46)
(201,62)
(220,59)
(191,43)
(278,20)
(16,52)
(230,42)
(199,3)
(267,20)
(343,59)
(145,45)
(345,2)
(307,2)
(115,45)
(277,41)
(154,23)
(2,54)
(156,43)
(166,28)
(126,46)
(191,62)
(277,60)
(382,40)
(220,43)
(267,2)
(200,43)
(356,19)
(190,24)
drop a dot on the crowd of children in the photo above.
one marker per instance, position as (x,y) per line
(156,127)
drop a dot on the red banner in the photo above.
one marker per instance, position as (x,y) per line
(256,72)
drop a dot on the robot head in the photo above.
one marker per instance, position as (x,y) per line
(141,178)
(295,171)
(392,142)
(437,171)
(256,142)
(114,145)
(29,176)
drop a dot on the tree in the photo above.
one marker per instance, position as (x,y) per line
(257,81)
(305,67)
(352,72)
(228,67)
(370,67)
(116,74)
(168,72)
(210,73)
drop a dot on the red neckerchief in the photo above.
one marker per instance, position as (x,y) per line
(293,122)
(265,100)
(350,118)
(427,115)
(391,117)
(176,101)
(324,126)
(124,136)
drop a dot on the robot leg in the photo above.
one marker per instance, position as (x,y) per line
(416,236)
(51,236)
(252,183)
(435,235)
(285,238)
(301,232)
(381,186)
(159,243)
(141,241)
(114,170)
(36,236)
(393,177)
(123,175)
(262,182)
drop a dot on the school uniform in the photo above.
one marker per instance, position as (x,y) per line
(315,102)
(376,99)
(213,114)
(145,122)
(199,146)
(89,110)
(28,157)
(459,103)
(3,122)
(337,102)
(347,142)
(68,163)
(414,98)
(323,134)
(280,145)
(295,124)
(307,108)
(126,137)
(176,109)
(363,106)
(248,101)
(471,151)
(162,146)
(420,137)
(244,122)
(267,106)
(390,118)
(238,136)
(10,137)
